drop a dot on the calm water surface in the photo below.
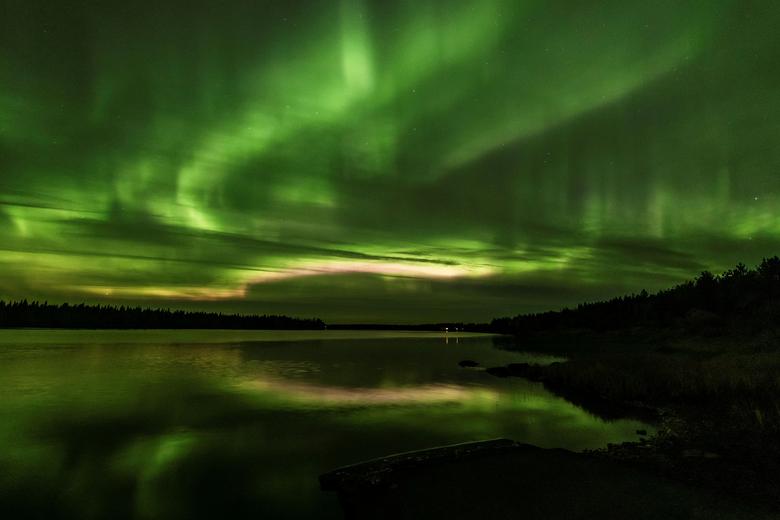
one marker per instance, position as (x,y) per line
(210,424)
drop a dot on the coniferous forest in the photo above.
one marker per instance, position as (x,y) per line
(741,299)
(82,316)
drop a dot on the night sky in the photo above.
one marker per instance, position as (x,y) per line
(383,161)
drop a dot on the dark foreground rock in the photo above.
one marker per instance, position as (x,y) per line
(503,479)
(468,363)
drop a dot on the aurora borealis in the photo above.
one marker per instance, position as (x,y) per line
(400,161)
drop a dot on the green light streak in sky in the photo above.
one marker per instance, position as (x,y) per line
(365,160)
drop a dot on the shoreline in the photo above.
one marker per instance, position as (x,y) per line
(41,335)
(711,398)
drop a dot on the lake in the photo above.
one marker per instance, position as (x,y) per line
(239,424)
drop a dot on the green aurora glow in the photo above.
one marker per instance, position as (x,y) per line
(383,161)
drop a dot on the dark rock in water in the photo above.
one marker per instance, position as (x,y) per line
(641,432)
(499,371)
(467,363)
(384,470)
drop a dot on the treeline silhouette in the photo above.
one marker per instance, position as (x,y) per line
(82,316)
(741,298)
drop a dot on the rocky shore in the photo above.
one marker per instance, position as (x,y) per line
(503,479)
(698,445)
